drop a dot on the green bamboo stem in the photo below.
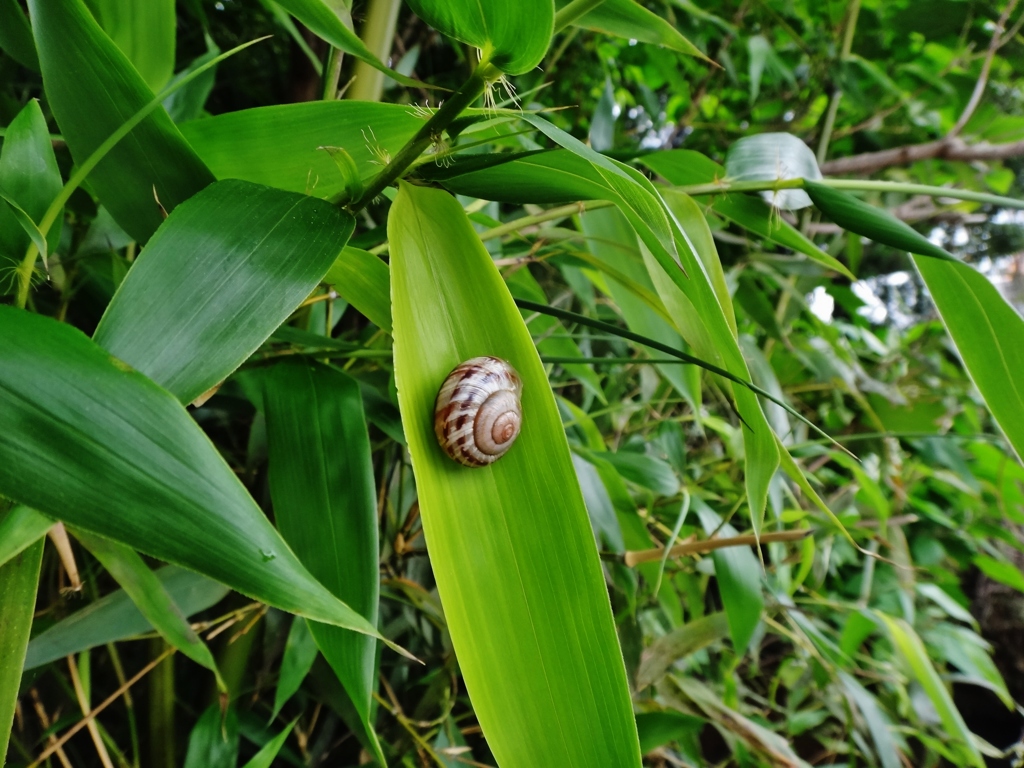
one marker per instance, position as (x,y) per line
(378,33)
(429,133)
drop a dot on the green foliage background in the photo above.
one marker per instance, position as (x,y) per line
(303,311)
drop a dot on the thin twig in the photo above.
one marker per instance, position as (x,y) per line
(57,744)
(90,722)
(708,545)
(986,67)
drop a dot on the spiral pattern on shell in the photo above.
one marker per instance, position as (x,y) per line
(478,413)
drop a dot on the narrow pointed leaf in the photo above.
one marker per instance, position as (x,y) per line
(679,643)
(29,182)
(510,544)
(613,241)
(218,277)
(909,646)
(280,146)
(115,617)
(265,757)
(299,654)
(512,36)
(739,579)
(19,579)
(85,439)
(630,20)
(20,528)
(989,335)
(93,89)
(879,225)
(149,596)
(328,21)
(325,504)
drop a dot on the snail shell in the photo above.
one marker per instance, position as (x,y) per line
(477,414)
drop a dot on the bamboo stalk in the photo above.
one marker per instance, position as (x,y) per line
(634,558)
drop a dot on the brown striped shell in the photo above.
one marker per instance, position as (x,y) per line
(478,413)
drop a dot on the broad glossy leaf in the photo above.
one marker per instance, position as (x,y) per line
(16,35)
(332,21)
(19,579)
(29,178)
(630,20)
(20,528)
(93,89)
(510,544)
(739,579)
(149,596)
(144,32)
(989,335)
(299,654)
(325,505)
(217,278)
(115,617)
(879,225)
(280,146)
(512,36)
(85,439)
(774,157)
(364,281)
(909,646)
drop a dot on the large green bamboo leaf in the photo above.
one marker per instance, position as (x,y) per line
(115,617)
(512,36)
(93,89)
(153,601)
(510,544)
(30,178)
(86,439)
(18,581)
(144,32)
(16,35)
(630,20)
(685,286)
(325,505)
(910,648)
(218,277)
(280,146)
(989,335)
